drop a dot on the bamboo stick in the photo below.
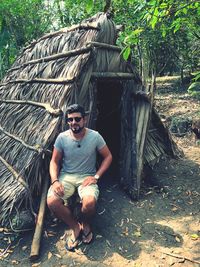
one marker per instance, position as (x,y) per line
(46,106)
(140,123)
(74,52)
(134,189)
(142,117)
(105,46)
(35,247)
(145,125)
(182,257)
(138,106)
(113,75)
(87,26)
(141,137)
(145,128)
(39,80)
(21,141)
(70,53)
(14,173)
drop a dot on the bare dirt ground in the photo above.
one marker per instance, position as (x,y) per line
(161,229)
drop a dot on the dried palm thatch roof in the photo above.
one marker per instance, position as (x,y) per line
(49,74)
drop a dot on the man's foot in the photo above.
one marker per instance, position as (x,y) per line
(71,243)
(74,239)
(87,235)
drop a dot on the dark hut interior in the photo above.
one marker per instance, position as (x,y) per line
(108,119)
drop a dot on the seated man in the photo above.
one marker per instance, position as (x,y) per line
(72,168)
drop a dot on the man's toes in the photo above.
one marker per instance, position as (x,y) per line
(87,237)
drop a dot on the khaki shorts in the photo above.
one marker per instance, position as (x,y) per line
(73,182)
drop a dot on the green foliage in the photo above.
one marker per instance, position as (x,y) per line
(126,52)
(20,22)
(194,87)
(89,5)
(197,77)
(180,125)
(74,11)
(165,31)
(194,90)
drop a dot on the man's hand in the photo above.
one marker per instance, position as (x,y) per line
(89,180)
(58,188)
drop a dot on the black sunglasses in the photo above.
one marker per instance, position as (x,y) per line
(77,119)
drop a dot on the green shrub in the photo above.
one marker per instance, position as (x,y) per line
(194,90)
(180,125)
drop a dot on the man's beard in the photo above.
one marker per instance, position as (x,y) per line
(76,129)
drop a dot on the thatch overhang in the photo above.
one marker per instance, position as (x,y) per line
(59,69)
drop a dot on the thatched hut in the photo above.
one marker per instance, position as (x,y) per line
(80,64)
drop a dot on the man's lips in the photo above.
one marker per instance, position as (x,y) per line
(75,127)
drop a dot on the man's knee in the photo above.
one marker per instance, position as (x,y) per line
(88,203)
(53,203)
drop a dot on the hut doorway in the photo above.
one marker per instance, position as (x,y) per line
(108,122)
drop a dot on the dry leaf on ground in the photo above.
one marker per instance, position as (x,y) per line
(49,255)
(36,264)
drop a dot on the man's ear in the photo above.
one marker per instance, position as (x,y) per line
(65,125)
(66,118)
(85,118)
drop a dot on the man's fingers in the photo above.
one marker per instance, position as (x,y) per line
(86,183)
(59,190)
(62,190)
(60,193)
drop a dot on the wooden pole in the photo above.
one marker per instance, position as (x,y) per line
(17,176)
(34,147)
(105,46)
(39,80)
(95,75)
(70,53)
(35,247)
(113,75)
(86,26)
(46,106)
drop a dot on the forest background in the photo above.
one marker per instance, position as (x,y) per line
(161,37)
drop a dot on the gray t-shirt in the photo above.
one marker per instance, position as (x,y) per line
(79,156)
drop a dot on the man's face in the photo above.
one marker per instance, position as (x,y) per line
(75,122)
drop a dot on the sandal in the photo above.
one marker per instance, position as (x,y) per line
(86,237)
(74,242)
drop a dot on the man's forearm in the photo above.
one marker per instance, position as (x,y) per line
(54,171)
(104,165)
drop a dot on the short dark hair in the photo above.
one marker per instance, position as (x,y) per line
(75,108)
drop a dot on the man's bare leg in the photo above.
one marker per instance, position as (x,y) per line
(64,213)
(88,210)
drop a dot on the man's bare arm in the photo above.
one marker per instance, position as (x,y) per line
(107,159)
(54,170)
(55,165)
